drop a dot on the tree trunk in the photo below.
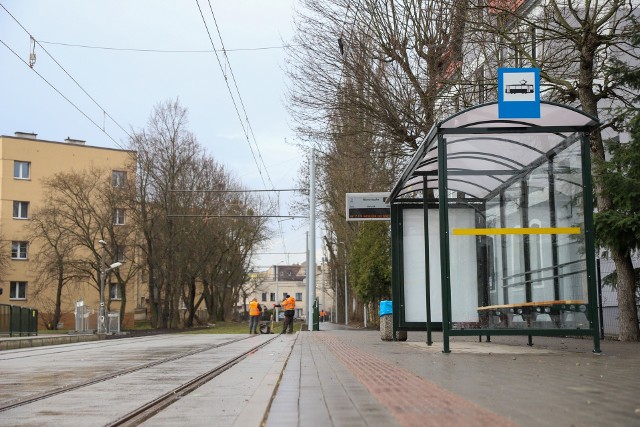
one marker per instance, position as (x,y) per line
(627,309)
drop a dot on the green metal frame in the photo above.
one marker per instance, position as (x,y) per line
(397,206)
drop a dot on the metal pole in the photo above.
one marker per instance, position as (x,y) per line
(365,315)
(277,296)
(323,306)
(346,305)
(312,233)
(307,287)
(600,311)
(335,295)
(102,280)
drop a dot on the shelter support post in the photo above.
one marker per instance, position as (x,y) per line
(589,237)
(443,203)
(427,275)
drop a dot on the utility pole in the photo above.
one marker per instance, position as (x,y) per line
(311,267)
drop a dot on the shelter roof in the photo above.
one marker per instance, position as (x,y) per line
(484,152)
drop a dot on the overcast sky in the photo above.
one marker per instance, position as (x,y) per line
(128,83)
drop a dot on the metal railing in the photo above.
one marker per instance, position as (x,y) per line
(82,314)
(16,321)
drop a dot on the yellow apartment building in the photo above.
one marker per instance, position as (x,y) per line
(24,162)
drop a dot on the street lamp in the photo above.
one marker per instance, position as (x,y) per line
(103,278)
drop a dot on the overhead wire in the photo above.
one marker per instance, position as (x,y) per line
(62,95)
(235,83)
(70,76)
(248,123)
(126,49)
(233,99)
(215,21)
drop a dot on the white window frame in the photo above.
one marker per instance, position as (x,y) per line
(119,216)
(114,291)
(299,294)
(19,250)
(22,209)
(19,169)
(118,178)
(18,290)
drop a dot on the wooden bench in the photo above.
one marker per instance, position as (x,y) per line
(530,312)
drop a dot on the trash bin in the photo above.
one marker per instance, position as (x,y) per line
(386,323)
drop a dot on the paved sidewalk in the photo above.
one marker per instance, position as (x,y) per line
(351,377)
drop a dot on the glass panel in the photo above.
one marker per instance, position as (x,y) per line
(540,245)
(513,284)
(522,258)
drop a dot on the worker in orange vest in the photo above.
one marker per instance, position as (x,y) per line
(254,315)
(289,307)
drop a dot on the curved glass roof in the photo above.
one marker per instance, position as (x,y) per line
(483,151)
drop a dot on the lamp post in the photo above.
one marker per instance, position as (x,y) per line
(103,278)
(103,274)
(277,296)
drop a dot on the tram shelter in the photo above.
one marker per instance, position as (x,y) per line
(492,228)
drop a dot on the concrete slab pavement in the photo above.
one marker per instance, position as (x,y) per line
(558,382)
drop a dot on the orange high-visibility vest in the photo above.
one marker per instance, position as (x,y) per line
(289,304)
(253,309)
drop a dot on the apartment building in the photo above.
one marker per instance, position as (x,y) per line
(25,161)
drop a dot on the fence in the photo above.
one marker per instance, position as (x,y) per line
(87,320)
(18,321)
(82,317)
(609,296)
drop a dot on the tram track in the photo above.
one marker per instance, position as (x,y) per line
(155,406)
(23,353)
(61,390)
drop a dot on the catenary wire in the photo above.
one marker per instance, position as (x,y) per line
(233,100)
(126,49)
(235,104)
(255,142)
(67,73)
(62,95)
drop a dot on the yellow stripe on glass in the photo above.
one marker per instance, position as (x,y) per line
(491,231)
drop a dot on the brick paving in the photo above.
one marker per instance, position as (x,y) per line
(414,401)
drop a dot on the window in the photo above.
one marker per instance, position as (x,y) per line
(114,291)
(21,169)
(272,296)
(118,216)
(20,210)
(18,290)
(264,296)
(298,296)
(119,254)
(19,250)
(118,178)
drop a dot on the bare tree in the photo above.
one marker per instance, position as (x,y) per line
(53,252)
(82,206)
(178,188)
